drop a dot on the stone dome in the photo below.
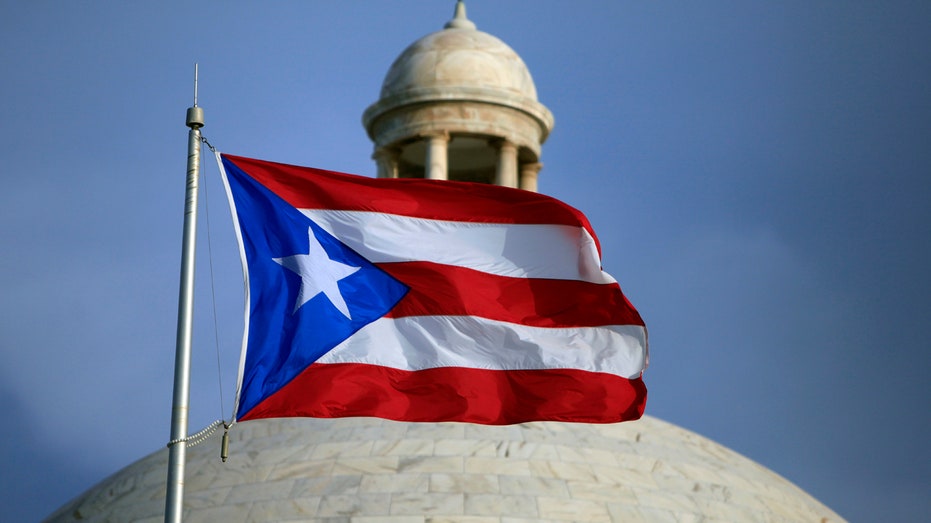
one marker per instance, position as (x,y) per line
(459,58)
(364,469)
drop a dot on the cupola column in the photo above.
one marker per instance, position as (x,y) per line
(506,173)
(386,158)
(528,175)
(436,161)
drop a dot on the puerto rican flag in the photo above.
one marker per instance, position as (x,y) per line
(425,300)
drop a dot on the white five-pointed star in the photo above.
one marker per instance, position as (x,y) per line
(318,274)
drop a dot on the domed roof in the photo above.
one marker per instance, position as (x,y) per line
(458,64)
(309,469)
(459,56)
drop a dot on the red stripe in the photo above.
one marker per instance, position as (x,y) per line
(309,188)
(455,291)
(456,394)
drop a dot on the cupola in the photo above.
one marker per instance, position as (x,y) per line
(459,104)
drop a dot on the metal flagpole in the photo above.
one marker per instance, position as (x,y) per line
(174,498)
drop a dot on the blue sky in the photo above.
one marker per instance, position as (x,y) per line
(759,174)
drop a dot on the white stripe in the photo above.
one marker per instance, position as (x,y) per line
(517,250)
(425,342)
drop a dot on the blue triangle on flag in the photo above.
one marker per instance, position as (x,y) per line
(284,339)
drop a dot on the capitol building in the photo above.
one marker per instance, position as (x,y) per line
(457,104)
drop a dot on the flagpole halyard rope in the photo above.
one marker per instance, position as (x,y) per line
(201,436)
(210,430)
(213,293)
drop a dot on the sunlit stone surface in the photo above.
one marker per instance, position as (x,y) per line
(370,470)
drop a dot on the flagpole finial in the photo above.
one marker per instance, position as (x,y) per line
(195,117)
(195,114)
(460,21)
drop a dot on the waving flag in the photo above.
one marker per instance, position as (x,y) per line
(424,300)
